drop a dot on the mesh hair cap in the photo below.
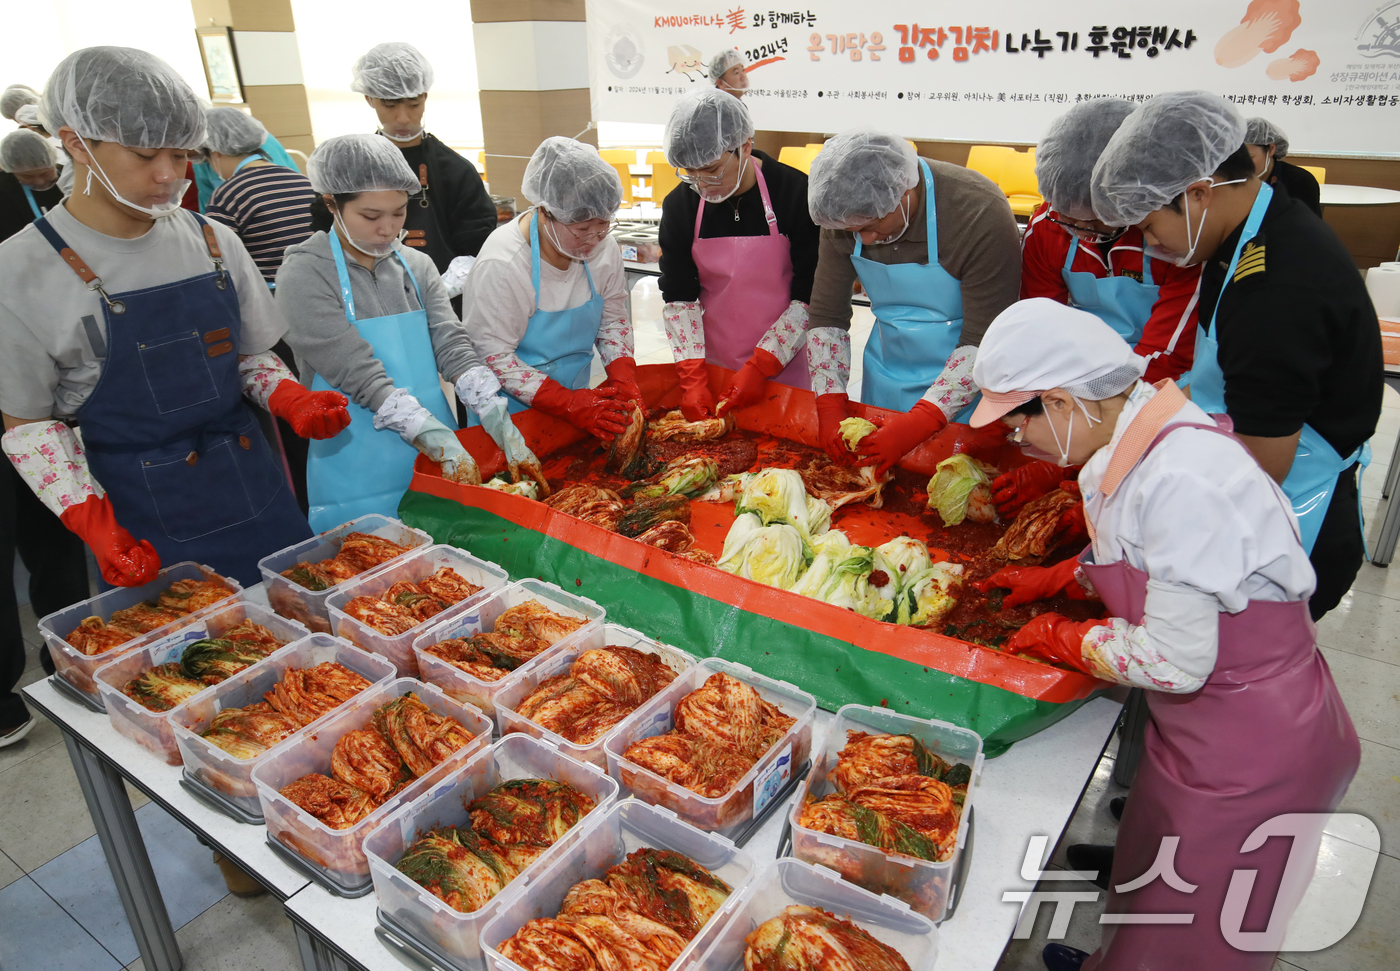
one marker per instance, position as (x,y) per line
(570,179)
(392,71)
(859,176)
(359,163)
(233,132)
(15,97)
(1167,144)
(24,150)
(123,95)
(1065,157)
(722,62)
(1263,132)
(704,125)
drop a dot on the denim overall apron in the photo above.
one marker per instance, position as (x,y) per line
(363,470)
(1119,301)
(166,429)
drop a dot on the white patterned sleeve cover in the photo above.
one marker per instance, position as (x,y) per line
(788,335)
(685,329)
(1173,649)
(261,374)
(50,459)
(954,387)
(829,359)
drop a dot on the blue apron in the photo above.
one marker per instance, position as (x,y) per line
(918,320)
(1316,465)
(363,470)
(166,429)
(33,204)
(557,342)
(1119,301)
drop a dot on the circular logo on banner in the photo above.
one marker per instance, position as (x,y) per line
(1379,36)
(623,51)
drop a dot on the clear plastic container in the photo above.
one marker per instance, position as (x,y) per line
(414,566)
(726,814)
(922,884)
(606,635)
(231,777)
(152,728)
(337,854)
(417,911)
(466,687)
(788,882)
(77,668)
(628,826)
(309,606)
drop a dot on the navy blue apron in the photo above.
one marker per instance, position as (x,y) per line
(167,432)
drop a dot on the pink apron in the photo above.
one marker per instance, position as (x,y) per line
(1267,735)
(745,285)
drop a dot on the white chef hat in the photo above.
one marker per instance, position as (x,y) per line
(1037,345)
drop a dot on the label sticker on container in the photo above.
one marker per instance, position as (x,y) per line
(771,781)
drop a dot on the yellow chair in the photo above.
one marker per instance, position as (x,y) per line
(798,156)
(621,159)
(988,159)
(1019,183)
(1318,172)
(481,164)
(664,177)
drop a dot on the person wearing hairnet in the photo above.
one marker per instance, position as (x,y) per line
(207,178)
(451,214)
(1246,722)
(738,253)
(728,72)
(1267,145)
(371,319)
(937,250)
(548,288)
(29,174)
(1289,345)
(15,97)
(1068,255)
(149,326)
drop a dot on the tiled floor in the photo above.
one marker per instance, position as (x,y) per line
(59,911)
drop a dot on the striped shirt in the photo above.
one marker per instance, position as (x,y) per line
(269,207)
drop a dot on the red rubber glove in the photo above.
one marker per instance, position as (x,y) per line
(982,443)
(748,383)
(831,412)
(696,402)
(1014,488)
(312,414)
(600,412)
(122,560)
(886,445)
(1054,638)
(1028,583)
(622,375)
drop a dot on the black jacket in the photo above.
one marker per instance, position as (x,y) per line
(15,213)
(459,214)
(1299,182)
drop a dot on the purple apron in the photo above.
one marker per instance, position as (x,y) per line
(745,285)
(1267,735)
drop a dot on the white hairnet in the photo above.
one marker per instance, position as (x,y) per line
(29,115)
(123,95)
(359,163)
(1167,144)
(704,125)
(23,150)
(15,97)
(392,71)
(1065,157)
(1263,132)
(570,179)
(233,132)
(723,61)
(859,176)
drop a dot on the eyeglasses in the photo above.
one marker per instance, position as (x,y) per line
(582,237)
(689,177)
(1086,234)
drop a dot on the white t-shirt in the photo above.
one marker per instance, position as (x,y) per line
(53,339)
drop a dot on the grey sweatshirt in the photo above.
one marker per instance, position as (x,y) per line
(326,343)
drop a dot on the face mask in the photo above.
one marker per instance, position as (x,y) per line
(578,256)
(903,229)
(1186,200)
(738,182)
(743,85)
(178,188)
(1063,460)
(403,138)
(375,248)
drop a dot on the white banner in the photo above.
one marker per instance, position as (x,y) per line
(1326,71)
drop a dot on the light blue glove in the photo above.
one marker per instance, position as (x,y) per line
(437,442)
(519,458)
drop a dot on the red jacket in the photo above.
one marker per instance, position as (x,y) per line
(1168,338)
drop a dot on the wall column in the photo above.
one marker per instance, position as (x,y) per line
(265,40)
(532,71)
